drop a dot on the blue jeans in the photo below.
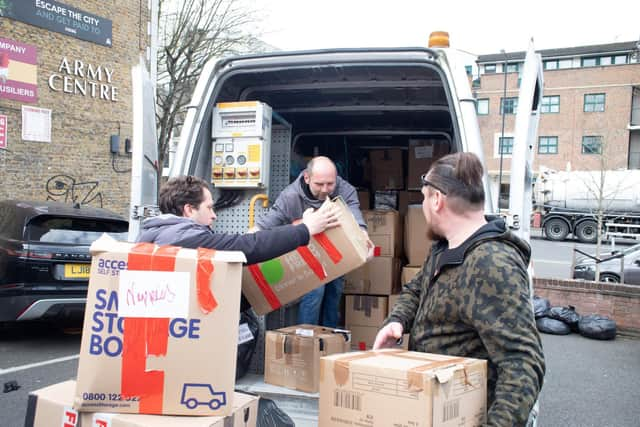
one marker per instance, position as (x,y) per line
(321,305)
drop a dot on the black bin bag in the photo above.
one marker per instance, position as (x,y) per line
(248,323)
(567,315)
(270,415)
(552,326)
(597,327)
(541,306)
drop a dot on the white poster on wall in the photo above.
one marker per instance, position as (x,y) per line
(36,124)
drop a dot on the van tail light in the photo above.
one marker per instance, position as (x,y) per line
(25,253)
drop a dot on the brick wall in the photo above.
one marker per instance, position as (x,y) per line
(619,302)
(77,164)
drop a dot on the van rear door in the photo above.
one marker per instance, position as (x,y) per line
(524,143)
(144,158)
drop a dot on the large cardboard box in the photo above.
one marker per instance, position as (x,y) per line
(274,283)
(402,388)
(379,276)
(52,406)
(422,153)
(292,354)
(156,336)
(364,199)
(406,198)
(363,337)
(387,172)
(385,231)
(417,247)
(365,310)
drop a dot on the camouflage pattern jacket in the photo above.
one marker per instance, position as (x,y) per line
(474,301)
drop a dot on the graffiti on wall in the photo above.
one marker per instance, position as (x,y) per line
(65,188)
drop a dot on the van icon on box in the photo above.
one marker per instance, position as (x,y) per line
(202,394)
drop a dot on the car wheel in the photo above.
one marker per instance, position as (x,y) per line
(556,229)
(214,404)
(609,278)
(587,231)
(191,403)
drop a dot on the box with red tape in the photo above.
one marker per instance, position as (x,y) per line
(156,336)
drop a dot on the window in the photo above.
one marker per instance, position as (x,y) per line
(594,102)
(565,63)
(551,65)
(591,145)
(548,145)
(590,62)
(489,68)
(508,105)
(550,104)
(620,59)
(506,145)
(482,107)
(513,68)
(468,69)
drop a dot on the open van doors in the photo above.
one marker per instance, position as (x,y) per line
(144,157)
(524,143)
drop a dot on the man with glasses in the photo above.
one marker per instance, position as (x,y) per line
(471,298)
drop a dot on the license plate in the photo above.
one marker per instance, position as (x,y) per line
(77,271)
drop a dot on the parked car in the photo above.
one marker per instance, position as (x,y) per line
(585,267)
(45,259)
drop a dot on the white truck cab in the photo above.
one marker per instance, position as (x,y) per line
(341,103)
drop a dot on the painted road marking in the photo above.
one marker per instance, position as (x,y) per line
(38,364)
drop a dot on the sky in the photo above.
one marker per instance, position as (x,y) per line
(475,27)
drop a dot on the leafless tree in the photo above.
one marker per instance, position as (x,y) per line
(191,32)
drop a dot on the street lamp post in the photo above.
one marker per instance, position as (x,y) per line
(503,103)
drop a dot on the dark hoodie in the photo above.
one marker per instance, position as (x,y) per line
(474,301)
(168,229)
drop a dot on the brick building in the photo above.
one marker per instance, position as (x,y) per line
(590,112)
(65,94)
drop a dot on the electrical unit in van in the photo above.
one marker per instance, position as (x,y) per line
(241,144)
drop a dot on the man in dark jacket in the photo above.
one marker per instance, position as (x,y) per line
(187,213)
(472,297)
(313,186)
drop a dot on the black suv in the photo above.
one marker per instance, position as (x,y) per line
(45,259)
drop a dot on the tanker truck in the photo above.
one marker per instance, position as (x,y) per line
(569,203)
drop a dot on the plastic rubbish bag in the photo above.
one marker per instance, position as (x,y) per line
(270,415)
(597,326)
(552,326)
(567,315)
(247,339)
(541,306)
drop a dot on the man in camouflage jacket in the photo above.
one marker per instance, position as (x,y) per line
(472,297)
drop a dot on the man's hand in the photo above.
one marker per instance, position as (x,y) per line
(321,219)
(370,245)
(388,336)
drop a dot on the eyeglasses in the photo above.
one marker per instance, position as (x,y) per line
(426,182)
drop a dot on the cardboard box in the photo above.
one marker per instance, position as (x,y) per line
(365,310)
(385,231)
(271,284)
(379,276)
(363,337)
(408,273)
(387,172)
(402,388)
(392,301)
(156,330)
(417,247)
(406,198)
(292,354)
(385,200)
(52,406)
(422,153)
(365,199)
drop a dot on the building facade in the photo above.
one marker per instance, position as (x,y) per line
(66,101)
(589,113)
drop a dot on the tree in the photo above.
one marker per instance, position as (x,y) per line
(191,32)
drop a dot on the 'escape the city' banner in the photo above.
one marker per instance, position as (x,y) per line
(60,18)
(18,71)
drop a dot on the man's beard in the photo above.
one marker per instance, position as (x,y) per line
(432,235)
